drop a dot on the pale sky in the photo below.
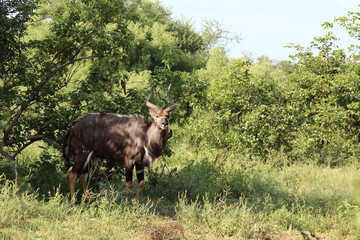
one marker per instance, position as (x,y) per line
(266,26)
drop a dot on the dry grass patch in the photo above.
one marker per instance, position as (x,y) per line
(166,229)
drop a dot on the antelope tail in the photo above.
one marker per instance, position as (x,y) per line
(66,150)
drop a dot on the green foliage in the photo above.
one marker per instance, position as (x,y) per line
(308,107)
(157,38)
(13,18)
(36,100)
(327,88)
(242,130)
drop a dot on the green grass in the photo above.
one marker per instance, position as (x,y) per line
(196,196)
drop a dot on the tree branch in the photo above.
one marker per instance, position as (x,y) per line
(22,148)
(34,138)
(5,154)
(35,93)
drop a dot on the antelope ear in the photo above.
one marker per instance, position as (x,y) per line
(170,112)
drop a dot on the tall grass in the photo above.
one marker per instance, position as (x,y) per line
(199,194)
(25,217)
(203,198)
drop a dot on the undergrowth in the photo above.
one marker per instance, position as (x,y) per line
(189,199)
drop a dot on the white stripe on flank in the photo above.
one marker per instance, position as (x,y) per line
(88,159)
(147,157)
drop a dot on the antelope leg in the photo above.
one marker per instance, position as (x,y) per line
(128,177)
(140,178)
(72,177)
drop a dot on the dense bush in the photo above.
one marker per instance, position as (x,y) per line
(307,107)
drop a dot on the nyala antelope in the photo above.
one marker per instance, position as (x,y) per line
(128,139)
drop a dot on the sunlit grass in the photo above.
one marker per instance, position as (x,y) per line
(201,199)
(202,194)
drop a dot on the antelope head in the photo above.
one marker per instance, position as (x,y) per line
(161,117)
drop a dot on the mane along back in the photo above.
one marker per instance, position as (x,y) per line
(133,117)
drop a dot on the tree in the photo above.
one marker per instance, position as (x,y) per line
(35,71)
(14,15)
(214,34)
